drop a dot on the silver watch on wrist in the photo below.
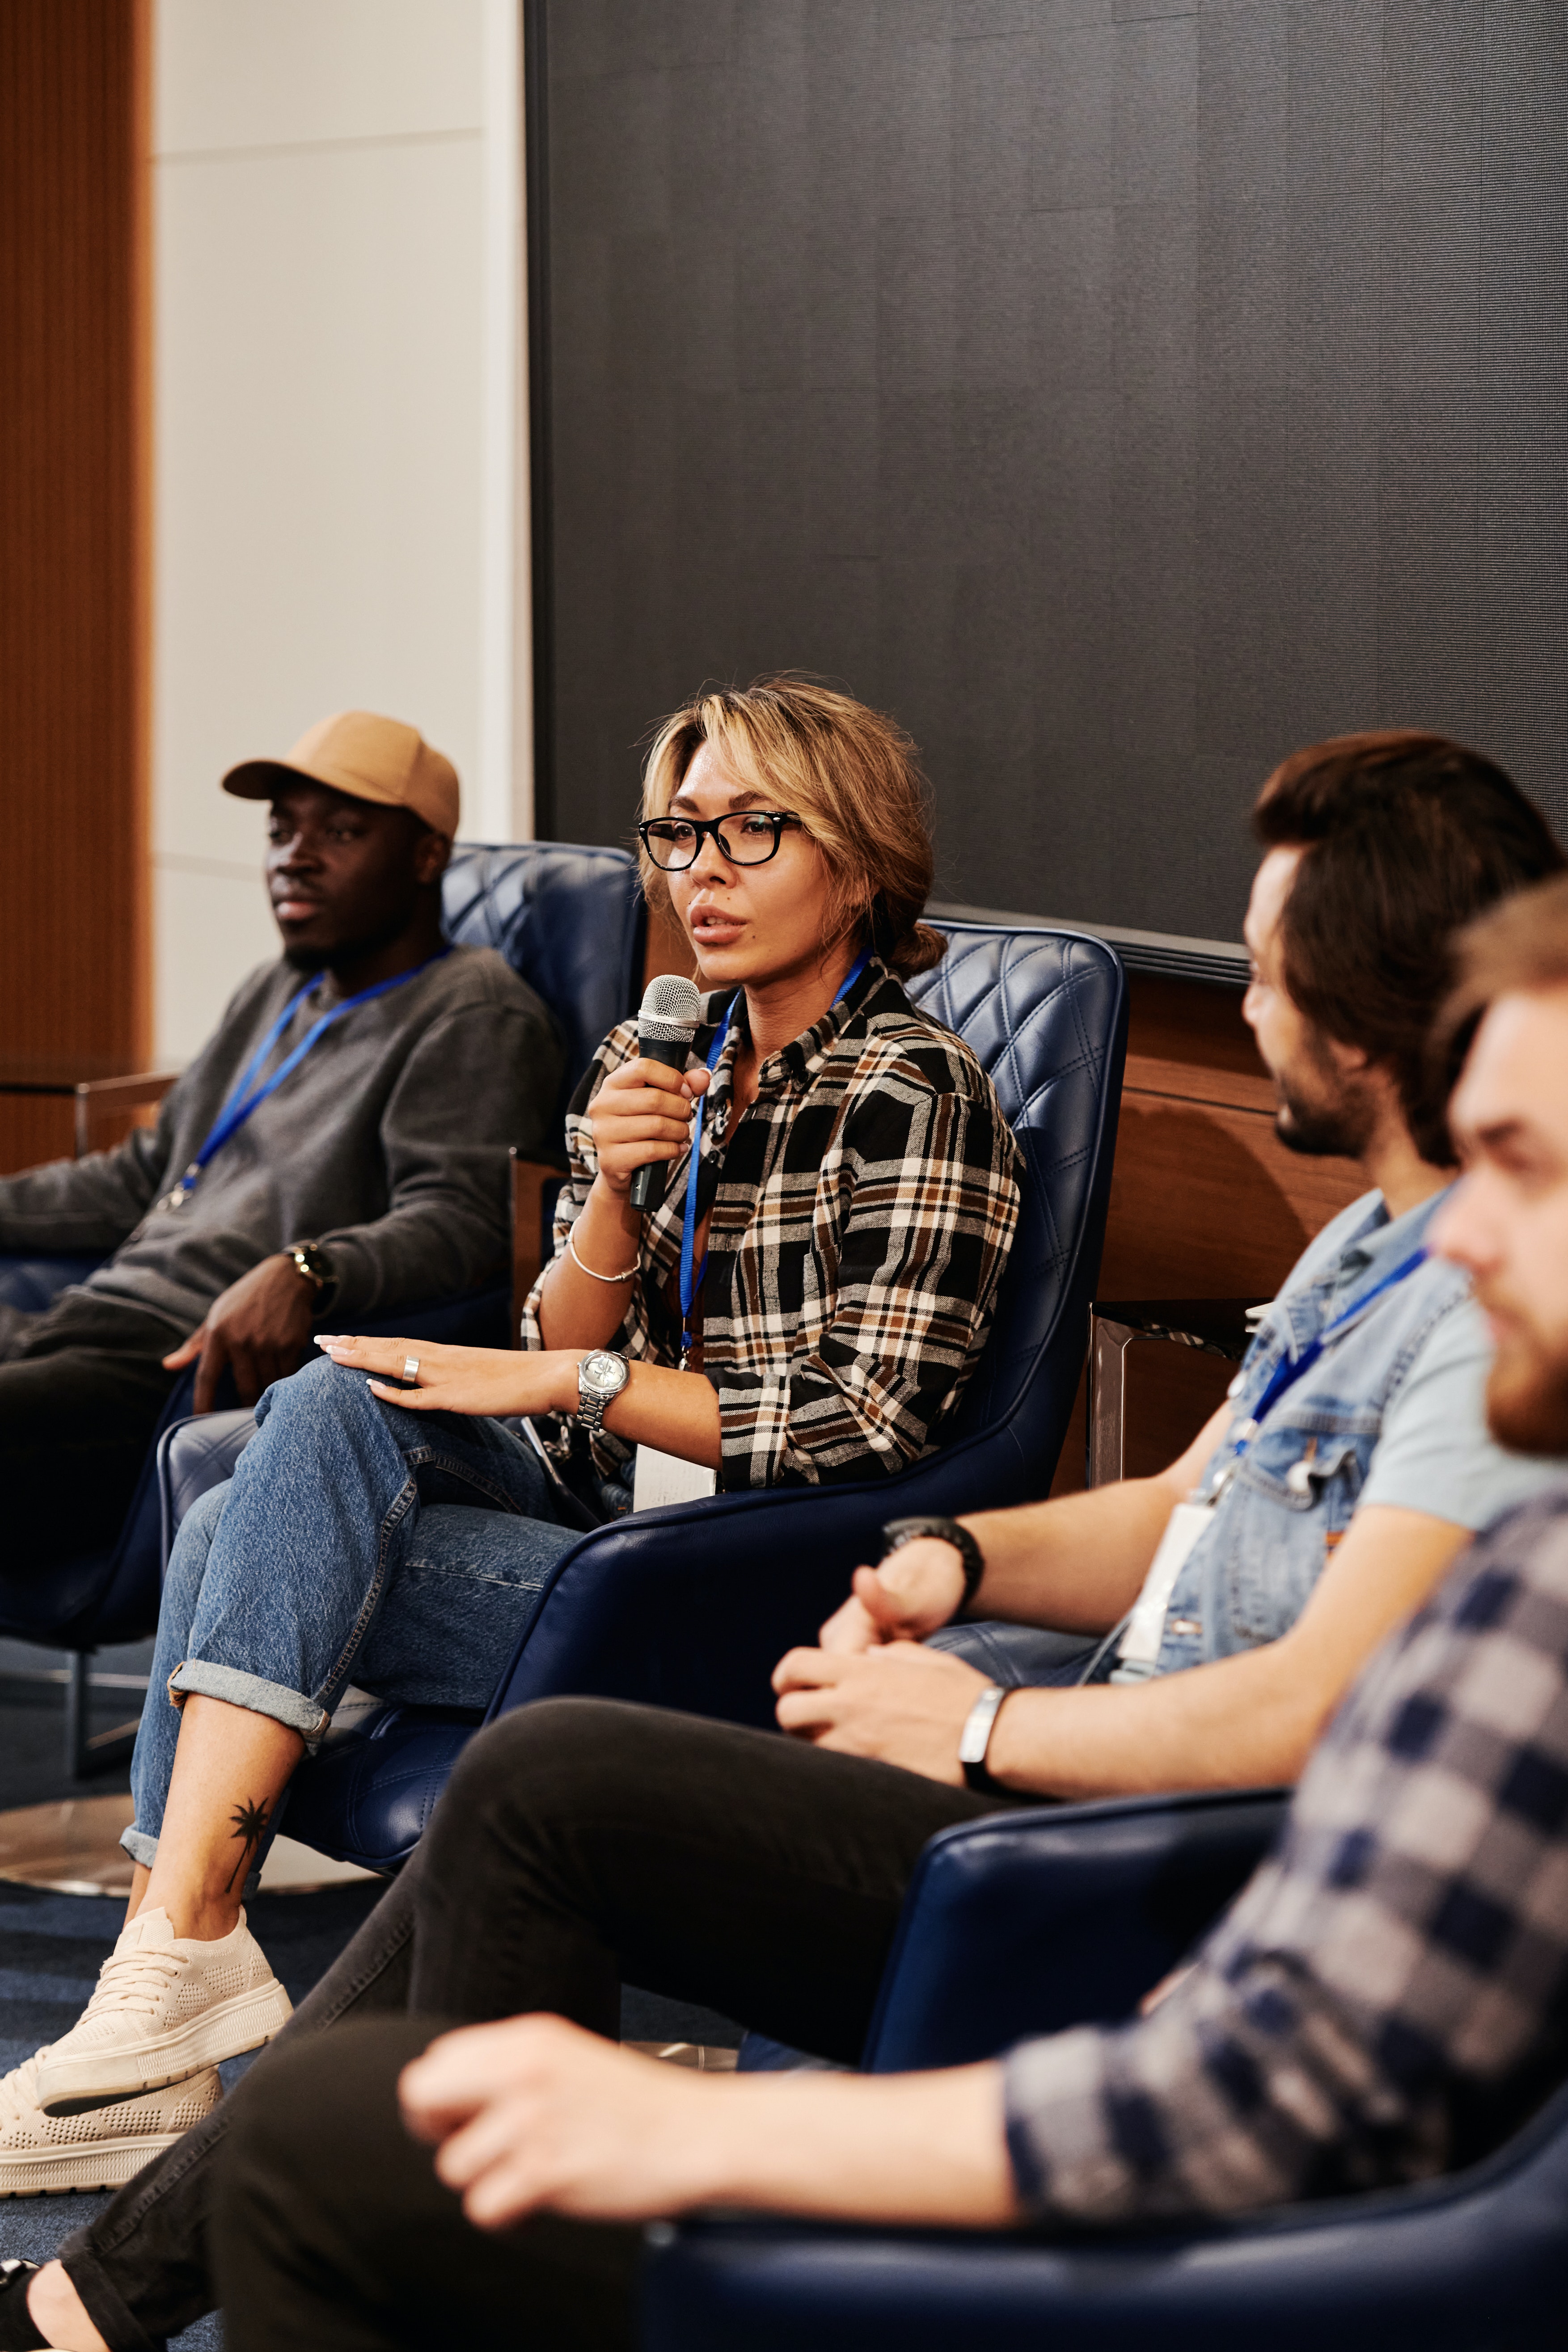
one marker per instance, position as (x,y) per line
(601,1376)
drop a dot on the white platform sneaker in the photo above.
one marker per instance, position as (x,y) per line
(166,2005)
(40,2155)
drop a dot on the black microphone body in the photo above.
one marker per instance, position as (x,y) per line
(648,1184)
(667,1023)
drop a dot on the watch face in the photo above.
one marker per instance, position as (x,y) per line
(603,1375)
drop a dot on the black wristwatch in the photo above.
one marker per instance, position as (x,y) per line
(899,1532)
(312,1262)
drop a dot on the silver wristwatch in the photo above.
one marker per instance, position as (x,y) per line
(601,1376)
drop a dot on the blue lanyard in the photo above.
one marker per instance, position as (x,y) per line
(690,1276)
(245,1097)
(1292,1369)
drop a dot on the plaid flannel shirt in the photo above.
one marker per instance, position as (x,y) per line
(1389,1995)
(863,1208)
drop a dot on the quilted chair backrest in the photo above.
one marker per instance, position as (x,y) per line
(568,918)
(1045,1012)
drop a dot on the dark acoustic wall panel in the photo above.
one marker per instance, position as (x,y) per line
(1122,392)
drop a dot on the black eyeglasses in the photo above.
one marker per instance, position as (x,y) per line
(749,838)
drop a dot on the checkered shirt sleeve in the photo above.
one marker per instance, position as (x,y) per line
(1394,1976)
(863,1210)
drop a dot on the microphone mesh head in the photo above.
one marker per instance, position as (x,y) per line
(671,1009)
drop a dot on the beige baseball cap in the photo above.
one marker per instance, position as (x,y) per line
(368,757)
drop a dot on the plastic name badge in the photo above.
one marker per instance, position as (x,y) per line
(666,1478)
(1146,1626)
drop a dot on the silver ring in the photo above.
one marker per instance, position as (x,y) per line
(411,1368)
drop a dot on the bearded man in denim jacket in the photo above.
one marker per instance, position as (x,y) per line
(1352,1461)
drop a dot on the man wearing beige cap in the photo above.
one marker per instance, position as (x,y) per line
(339,1143)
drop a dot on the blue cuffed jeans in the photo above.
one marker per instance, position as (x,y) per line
(402,1553)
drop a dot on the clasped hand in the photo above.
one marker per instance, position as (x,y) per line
(898,1703)
(871,1689)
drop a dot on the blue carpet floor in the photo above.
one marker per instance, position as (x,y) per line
(51,1946)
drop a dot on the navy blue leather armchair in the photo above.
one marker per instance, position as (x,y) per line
(571,921)
(690,1607)
(1024,1924)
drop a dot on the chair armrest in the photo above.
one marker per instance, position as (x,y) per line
(534,1183)
(1025,1923)
(97,1099)
(195,1456)
(1477,2258)
(692,1606)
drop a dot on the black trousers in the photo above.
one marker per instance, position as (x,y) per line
(82,1389)
(581,1843)
(330,2229)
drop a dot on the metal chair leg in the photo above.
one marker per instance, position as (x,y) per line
(78,1694)
(87,1752)
(1105,1432)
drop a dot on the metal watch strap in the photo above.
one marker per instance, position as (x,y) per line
(975,1739)
(591,1407)
(312,1265)
(896,1533)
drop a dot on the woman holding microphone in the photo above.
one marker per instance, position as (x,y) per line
(804,1305)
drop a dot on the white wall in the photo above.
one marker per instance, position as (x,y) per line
(337,465)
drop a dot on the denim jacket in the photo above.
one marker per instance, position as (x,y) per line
(1292,1494)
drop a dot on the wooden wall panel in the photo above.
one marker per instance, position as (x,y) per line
(74,255)
(1205,1202)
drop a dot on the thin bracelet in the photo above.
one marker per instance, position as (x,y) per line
(588,1270)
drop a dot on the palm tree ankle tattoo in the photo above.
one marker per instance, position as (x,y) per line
(250,1824)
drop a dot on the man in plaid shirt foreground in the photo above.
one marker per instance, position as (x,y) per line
(1385,1999)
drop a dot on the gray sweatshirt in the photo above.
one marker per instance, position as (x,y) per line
(387,1145)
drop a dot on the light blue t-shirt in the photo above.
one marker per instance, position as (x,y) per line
(1393,1411)
(1434,1452)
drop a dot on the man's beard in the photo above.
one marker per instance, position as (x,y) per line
(1527,1398)
(1334,1124)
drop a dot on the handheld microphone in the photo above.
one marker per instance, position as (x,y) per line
(667,1023)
